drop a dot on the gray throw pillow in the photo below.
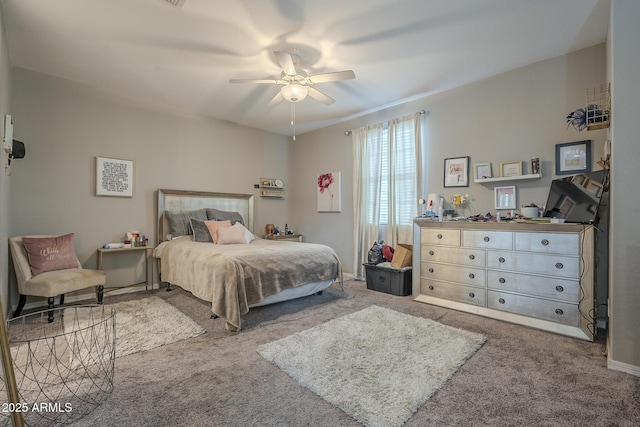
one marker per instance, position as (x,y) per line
(219,215)
(200,231)
(179,221)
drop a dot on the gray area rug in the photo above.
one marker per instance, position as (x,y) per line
(145,324)
(377,365)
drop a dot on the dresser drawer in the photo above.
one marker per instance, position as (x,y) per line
(526,262)
(567,244)
(453,273)
(460,293)
(487,239)
(546,287)
(440,237)
(555,311)
(460,256)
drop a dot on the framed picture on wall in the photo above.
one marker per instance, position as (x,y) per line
(456,172)
(328,192)
(505,197)
(114,177)
(512,168)
(573,157)
(482,171)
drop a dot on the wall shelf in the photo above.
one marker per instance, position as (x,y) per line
(508,178)
(270,187)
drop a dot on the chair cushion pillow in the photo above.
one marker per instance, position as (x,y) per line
(50,253)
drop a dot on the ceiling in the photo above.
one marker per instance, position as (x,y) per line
(183,57)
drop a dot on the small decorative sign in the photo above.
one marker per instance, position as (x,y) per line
(114,177)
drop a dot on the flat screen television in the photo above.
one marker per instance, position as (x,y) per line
(576,198)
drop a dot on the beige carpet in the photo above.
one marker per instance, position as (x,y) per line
(377,365)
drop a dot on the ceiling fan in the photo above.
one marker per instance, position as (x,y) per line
(297,84)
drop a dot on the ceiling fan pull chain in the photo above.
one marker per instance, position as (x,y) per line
(293,119)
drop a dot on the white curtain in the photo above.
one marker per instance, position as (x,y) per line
(387,181)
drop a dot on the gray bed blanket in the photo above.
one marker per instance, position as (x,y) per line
(235,276)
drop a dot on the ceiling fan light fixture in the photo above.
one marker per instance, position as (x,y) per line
(294,92)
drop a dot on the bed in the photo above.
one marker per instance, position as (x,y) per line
(235,277)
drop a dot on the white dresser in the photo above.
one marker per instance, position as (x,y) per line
(538,275)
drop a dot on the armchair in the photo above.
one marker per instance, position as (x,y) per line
(53,281)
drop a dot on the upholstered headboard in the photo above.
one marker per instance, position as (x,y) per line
(183,201)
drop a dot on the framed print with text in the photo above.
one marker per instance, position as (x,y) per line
(456,172)
(114,177)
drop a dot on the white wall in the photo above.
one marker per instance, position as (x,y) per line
(66,125)
(513,116)
(624,291)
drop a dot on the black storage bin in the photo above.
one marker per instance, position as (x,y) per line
(388,280)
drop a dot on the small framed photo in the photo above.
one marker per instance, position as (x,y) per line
(594,188)
(456,172)
(513,168)
(114,177)
(482,171)
(573,157)
(505,197)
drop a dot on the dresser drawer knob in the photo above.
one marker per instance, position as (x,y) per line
(439,236)
(431,270)
(471,275)
(431,253)
(501,259)
(486,238)
(472,256)
(501,280)
(559,312)
(472,295)
(430,287)
(545,242)
(501,301)
(559,265)
(559,288)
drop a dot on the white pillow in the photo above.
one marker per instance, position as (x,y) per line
(248,236)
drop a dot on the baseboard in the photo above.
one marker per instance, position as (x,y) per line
(623,367)
(37,304)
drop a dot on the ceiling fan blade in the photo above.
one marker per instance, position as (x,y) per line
(319,96)
(286,62)
(276,99)
(332,77)
(273,82)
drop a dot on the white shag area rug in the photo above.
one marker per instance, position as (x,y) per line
(377,365)
(144,324)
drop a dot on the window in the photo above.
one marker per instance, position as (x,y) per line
(379,170)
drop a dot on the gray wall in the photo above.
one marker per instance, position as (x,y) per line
(66,125)
(513,116)
(5,194)
(624,294)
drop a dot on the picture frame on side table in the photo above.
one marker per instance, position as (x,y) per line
(114,177)
(505,197)
(512,168)
(573,157)
(482,171)
(456,172)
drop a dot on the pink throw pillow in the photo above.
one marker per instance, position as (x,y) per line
(50,253)
(213,227)
(231,235)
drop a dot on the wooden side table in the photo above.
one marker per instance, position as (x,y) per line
(285,237)
(147,256)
